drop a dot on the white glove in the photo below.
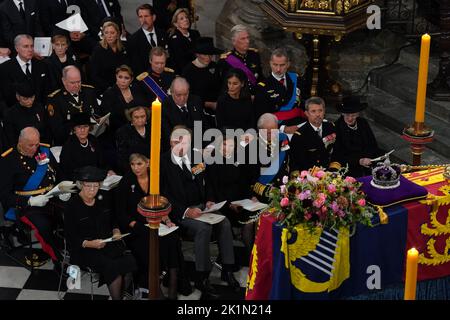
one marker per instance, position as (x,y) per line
(38,201)
(65,196)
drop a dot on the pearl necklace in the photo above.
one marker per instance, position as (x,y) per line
(355,127)
(84,145)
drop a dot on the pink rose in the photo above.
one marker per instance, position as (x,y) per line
(322,197)
(331,188)
(350,179)
(318,203)
(320,174)
(284,202)
(283,189)
(362,202)
(303,174)
(308,215)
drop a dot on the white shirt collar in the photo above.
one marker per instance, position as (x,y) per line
(16,2)
(315,128)
(23,63)
(149,31)
(179,159)
(278,78)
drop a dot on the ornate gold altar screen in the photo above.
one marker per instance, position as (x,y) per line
(323,21)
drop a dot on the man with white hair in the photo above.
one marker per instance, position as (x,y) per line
(242,57)
(28,172)
(268,156)
(63,103)
(181,108)
(23,68)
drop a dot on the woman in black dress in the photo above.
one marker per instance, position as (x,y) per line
(201,73)
(60,58)
(121,96)
(182,40)
(109,54)
(133,137)
(227,179)
(132,188)
(355,142)
(88,221)
(81,149)
(234,107)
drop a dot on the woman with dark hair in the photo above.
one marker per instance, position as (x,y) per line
(88,222)
(81,149)
(227,179)
(234,106)
(109,54)
(121,96)
(133,137)
(132,188)
(182,40)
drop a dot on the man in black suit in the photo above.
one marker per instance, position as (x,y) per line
(73,98)
(94,11)
(53,11)
(23,68)
(312,144)
(19,17)
(182,108)
(183,176)
(144,39)
(281,93)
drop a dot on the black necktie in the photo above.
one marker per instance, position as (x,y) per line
(103,13)
(186,169)
(21,10)
(152,42)
(27,70)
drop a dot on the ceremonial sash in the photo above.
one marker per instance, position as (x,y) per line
(267,178)
(288,112)
(152,85)
(33,182)
(237,63)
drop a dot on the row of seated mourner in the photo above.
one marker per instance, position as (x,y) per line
(99,74)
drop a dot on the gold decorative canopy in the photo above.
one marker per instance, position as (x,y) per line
(319,17)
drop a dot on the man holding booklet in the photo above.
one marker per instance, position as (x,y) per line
(184,186)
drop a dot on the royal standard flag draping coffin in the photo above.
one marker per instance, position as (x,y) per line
(310,265)
(431,224)
(259,279)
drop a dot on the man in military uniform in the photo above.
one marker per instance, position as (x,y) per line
(25,113)
(242,57)
(271,152)
(312,144)
(160,76)
(281,94)
(73,98)
(28,172)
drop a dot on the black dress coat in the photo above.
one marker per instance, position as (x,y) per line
(102,67)
(83,222)
(235,113)
(128,194)
(129,141)
(74,156)
(352,145)
(181,48)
